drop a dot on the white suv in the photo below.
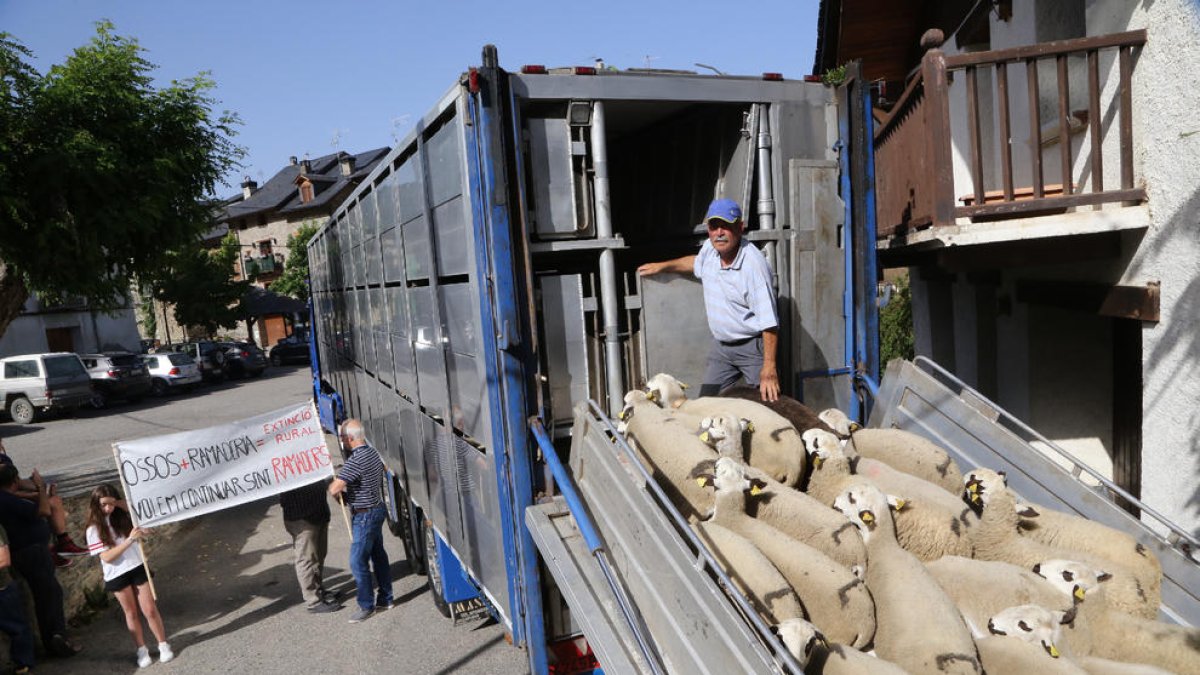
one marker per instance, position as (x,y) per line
(171,371)
(35,383)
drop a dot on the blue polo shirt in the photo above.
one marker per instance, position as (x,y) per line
(739,299)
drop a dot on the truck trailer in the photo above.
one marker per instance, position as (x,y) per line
(475,302)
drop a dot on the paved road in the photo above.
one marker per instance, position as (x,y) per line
(226,584)
(77,452)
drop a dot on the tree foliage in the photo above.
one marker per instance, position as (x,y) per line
(896,325)
(293,281)
(196,282)
(102,174)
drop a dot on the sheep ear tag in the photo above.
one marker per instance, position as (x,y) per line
(1052,650)
(705,481)
(704,436)
(652,396)
(622,415)
(683,385)
(1079,593)
(898,503)
(757,486)
(868,518)
(749,426)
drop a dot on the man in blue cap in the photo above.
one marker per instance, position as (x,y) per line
(739,299)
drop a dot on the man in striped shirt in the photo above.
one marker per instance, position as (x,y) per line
(361,479)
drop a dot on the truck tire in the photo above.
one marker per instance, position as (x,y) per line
(22,411)
(435,574)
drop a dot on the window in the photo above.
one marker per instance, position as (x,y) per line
(20,369)
(179,359)
(306,192)
(63,366)
(264,248)
(151,362)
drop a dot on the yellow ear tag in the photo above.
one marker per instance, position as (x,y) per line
(1079,593)
(704,436)
(683,385)
(855,426)
(652,396)
(622,415)
(817,461)
(900,504)
(1053,651)
(867,517)
(750,427)
(755,490)
(701,482)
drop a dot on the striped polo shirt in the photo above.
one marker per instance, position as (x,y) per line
(363,474)
(740,299)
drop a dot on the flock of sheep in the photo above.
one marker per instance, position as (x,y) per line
(870,551)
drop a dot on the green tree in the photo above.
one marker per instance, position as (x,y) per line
(196,282)
(102,174)
(293,280)
(896,325)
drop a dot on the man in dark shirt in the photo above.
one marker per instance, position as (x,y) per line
(361,478)
(13,622)
(306,518)
(29,537)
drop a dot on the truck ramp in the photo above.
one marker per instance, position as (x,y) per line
(674,586)
(923,398)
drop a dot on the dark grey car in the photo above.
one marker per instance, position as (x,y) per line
(244,359)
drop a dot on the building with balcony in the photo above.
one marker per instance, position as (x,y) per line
(262,219)
(1038,173)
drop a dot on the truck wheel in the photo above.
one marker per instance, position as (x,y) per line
(435,572)
(22,411)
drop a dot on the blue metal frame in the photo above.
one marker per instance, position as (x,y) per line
(866,319)
(500,312)
(847,252)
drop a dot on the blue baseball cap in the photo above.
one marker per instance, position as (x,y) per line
(724,209)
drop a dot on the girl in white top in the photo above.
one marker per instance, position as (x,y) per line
(112,536)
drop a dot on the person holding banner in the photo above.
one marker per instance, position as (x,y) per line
(361,478)
(112,536)
(306,518)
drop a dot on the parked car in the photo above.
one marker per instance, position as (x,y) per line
(209,355)
(291,349)
(32,384)
(244,359)
(116,375)
(171,371)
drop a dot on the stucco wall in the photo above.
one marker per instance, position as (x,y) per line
(90,332)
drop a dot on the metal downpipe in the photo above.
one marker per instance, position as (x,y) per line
(614,380)
(766,189)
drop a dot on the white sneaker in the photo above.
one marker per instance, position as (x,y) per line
(143,656)
(164,652)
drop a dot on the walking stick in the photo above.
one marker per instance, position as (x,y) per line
(133,517)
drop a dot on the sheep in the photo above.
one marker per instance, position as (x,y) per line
(982,588)
(1023,640)
(1066,531)
(998,537)
(801,416)
(790,511)
(917,625)
(671,449)
(1101,631)
(833,597)
(908,452)
(932,524)
(754,575)
(818,656)
(774,446)
(1043,628)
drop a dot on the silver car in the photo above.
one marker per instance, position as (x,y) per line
(32,384)
(171,371)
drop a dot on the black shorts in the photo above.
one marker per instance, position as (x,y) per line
(134,577)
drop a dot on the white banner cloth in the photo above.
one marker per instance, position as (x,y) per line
(178,476)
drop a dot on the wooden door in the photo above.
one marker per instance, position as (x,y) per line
(59,340)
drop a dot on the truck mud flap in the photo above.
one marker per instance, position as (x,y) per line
(923,398)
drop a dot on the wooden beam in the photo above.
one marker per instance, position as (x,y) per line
(1120,302)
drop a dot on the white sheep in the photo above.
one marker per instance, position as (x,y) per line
(917,625)
(671,449)
(818,656)
(932,524)
(982,588)
(752,572)
(998,537)
(774,445)
(1044,629)
(1067,531)
(1100,631)
(833,597)
(788,510)
(1023,639)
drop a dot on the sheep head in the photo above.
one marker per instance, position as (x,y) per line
(821,446)
(1072,578)
(666,390)
(980,485)
(838,421)
(728,476)
(724,433)
(865,505)
(1033,624)
(801,638)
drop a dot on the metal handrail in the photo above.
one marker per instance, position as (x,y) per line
(705,559)
(1079,465)
(591,537)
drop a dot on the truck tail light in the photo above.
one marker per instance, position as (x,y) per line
(173,371)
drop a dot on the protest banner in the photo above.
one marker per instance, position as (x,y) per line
(190,473)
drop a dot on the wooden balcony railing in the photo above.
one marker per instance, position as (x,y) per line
(914,142)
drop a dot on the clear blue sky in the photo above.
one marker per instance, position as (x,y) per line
(302,73)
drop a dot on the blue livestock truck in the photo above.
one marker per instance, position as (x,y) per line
(475,302)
